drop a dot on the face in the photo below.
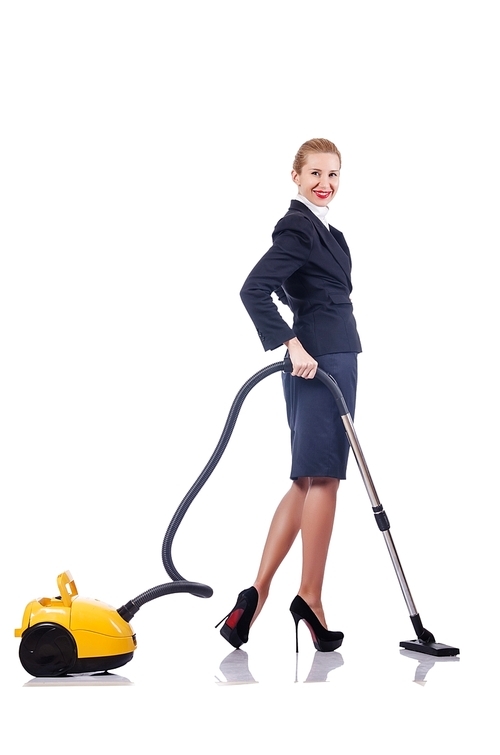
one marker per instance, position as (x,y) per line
(318,181)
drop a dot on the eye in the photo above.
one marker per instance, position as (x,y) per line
(335,175)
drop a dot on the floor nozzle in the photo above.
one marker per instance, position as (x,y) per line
(429,648)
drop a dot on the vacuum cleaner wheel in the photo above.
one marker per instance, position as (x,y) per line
(48,649)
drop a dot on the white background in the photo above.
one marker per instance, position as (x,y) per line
(146,152)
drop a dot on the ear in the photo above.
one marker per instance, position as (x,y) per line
(295,177)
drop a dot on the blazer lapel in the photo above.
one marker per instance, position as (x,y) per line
(340,254)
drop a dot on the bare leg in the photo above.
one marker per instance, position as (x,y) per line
(284,528)
(316,528)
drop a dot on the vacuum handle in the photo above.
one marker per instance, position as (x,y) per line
(330,383)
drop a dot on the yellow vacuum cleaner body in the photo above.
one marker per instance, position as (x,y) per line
(70,634)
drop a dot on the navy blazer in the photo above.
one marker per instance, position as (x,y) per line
(308,267)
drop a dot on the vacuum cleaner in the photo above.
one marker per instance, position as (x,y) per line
(69,634)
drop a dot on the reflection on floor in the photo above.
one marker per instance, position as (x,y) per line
(425,663)
(235,667)
(102,679)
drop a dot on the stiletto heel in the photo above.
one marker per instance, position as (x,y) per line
(237,621)
(323,640)
(296,618)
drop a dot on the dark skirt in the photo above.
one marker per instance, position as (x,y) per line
(320,447)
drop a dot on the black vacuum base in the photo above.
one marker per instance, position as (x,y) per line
(429,648)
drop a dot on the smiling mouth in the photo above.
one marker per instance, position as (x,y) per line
(322,194)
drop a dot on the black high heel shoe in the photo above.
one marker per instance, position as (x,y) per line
(323,640)
(237,622)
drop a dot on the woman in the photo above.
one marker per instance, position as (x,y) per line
(308,267)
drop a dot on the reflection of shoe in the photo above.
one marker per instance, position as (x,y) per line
(237,622)
(323,640)
(235,668)
(322,664)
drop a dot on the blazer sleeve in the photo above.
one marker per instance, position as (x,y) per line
(292,247)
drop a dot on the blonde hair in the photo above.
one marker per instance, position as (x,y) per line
(311,147)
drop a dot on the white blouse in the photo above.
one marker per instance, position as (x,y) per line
(320,212)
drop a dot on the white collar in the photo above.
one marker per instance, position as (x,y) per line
(320,212)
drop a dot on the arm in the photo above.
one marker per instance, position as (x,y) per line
(292,246)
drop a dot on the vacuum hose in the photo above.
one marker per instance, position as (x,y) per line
(180,584)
